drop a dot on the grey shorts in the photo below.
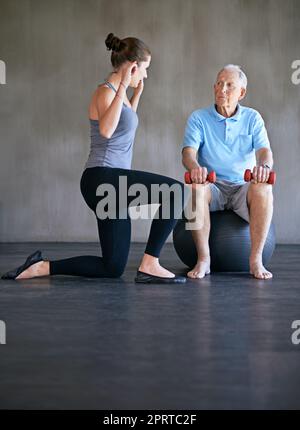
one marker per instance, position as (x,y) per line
(227,195)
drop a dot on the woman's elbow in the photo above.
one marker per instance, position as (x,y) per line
(105,133)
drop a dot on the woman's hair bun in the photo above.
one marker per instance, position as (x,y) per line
(113,43)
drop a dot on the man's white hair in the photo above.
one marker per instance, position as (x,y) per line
(242,75)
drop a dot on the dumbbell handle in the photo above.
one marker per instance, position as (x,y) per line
(248,176)
(211,177)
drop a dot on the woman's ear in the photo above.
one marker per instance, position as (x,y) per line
(134,69)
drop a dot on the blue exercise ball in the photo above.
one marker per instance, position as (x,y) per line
(229,243)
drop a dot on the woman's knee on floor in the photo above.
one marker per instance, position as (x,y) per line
(115,268)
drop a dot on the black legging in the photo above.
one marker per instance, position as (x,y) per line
(114,234)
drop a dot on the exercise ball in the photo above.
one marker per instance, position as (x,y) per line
(229,243)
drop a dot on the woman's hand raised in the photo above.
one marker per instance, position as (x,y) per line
(128,70)
(139,89)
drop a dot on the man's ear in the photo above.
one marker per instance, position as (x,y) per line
(243,93)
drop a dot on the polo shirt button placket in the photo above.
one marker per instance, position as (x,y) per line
(228,130)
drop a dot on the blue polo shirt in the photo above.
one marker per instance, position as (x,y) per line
(226,145)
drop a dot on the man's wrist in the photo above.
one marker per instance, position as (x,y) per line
(264,165)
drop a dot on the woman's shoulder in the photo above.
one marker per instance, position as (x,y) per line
(107,91)
(104,84)
(104,88)
(101,99)
(104,92)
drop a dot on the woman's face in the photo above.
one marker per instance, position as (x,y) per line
(140,72)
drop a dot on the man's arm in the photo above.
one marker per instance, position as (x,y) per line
(264,164)
(264,156)
(263,151)
(190,162)
(189,158)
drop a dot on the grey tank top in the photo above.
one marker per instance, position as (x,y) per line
(117,150)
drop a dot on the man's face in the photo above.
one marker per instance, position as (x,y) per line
(228,90)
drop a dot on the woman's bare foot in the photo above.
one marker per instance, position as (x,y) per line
(151,266)
(201,269)
(41,268)
(258,270)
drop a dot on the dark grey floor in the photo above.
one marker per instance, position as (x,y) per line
(222,342)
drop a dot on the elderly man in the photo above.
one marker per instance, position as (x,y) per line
(229,138)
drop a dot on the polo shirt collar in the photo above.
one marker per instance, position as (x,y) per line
(219,117)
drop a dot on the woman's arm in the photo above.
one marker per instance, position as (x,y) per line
(134,101)
(109,107)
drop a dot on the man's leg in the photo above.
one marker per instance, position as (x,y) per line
(201,195)
(260,202)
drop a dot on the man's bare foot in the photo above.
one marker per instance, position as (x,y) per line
(258,270)
(41,268)
(201,269)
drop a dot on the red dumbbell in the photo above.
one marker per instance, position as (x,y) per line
(248,176)
(211,177)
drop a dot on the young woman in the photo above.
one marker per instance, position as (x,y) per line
(113,122)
